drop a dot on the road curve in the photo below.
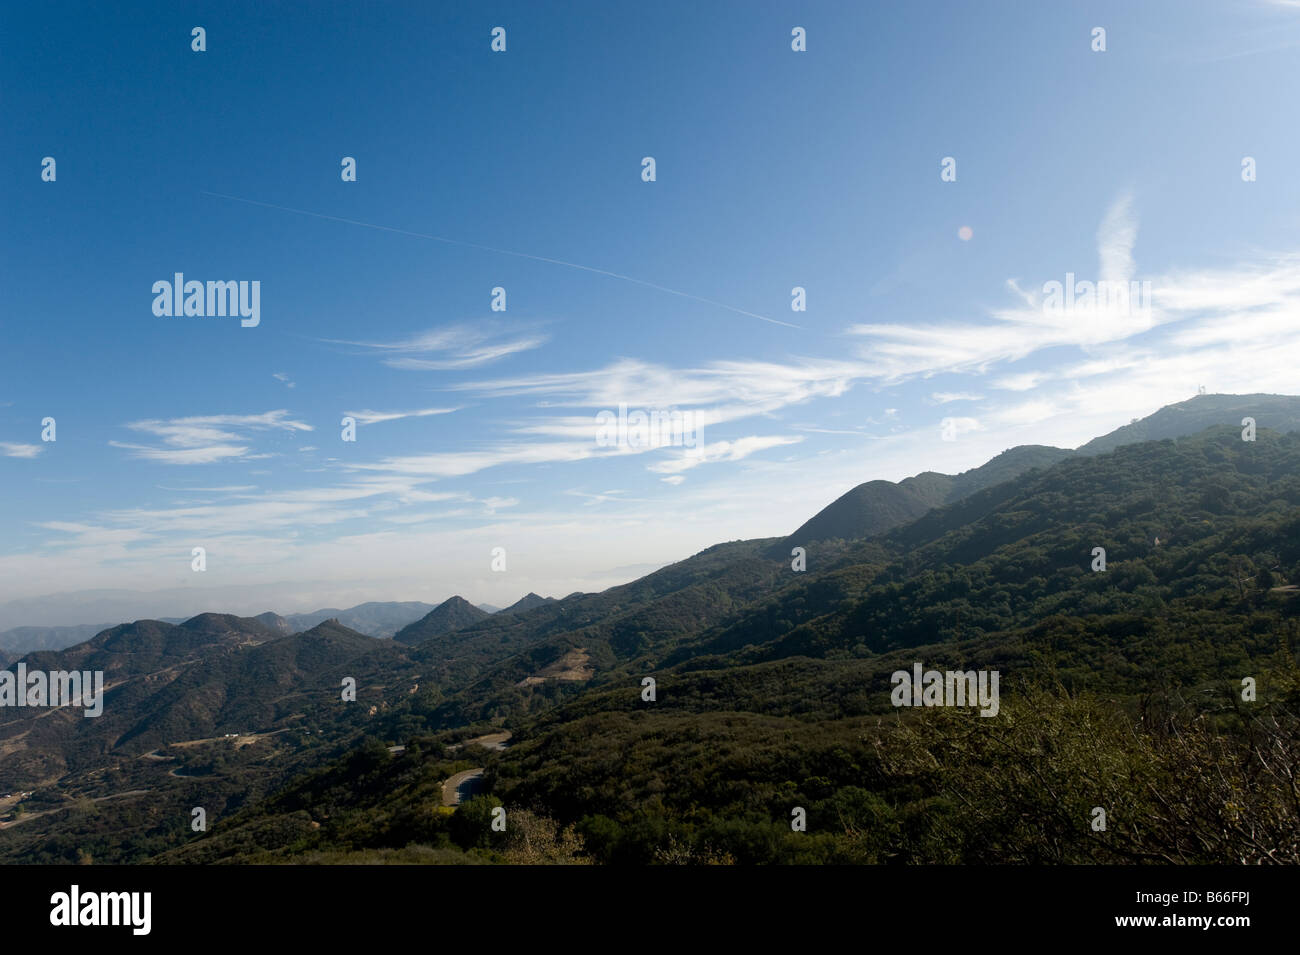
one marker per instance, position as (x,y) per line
(461,785)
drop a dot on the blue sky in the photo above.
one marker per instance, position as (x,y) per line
(919,349)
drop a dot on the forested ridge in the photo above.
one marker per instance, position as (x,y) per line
(1122,693)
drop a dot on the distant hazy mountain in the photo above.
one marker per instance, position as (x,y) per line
(275,622)
(114,606)
(528,602)
(488,608)
(212,674)
(452,614)
(878,506)
(374,619)
(14,643)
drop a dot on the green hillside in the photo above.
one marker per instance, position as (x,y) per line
(452,614)
(1118,691)
(1121,689)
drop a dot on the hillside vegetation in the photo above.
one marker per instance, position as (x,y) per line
(1159,695)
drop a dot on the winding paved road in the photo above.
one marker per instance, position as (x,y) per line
(461,786)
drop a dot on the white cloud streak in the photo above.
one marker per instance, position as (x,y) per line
(11,450)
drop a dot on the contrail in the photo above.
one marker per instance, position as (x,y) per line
(521,255)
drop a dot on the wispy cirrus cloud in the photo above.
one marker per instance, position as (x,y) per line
(11,450)
(950,429)
(205,455)
(718,392)
(376,417)
(188,432)
(1115,239)
(721,451)
(253,529)
(1185,311)
(207,438)
(449,464)
(714,394)
(1190,317)
(452,347)
(674,458)
(897,352)
(1022,381)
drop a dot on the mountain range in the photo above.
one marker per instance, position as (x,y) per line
(373,618)
(771,682)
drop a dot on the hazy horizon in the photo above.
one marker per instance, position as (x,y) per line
(96,607)
(101,605)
